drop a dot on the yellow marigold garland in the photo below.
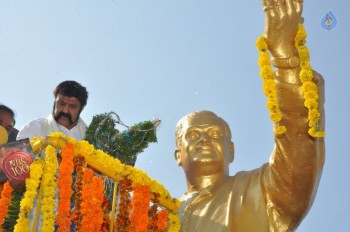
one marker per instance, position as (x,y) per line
(269,85)
(82,147)
(27,203)
(174,222)
(308,88)
(6,196)
(64,183)
(49,190)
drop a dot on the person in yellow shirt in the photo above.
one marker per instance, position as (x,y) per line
(279,194)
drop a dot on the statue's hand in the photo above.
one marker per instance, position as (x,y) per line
(281,23)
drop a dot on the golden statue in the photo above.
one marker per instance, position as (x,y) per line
(276,196)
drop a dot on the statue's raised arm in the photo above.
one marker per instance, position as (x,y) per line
(276,196)
(292,176)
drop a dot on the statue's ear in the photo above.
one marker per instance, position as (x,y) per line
(177,156)
(232,152)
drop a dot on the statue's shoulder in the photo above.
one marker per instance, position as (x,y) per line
(245,178)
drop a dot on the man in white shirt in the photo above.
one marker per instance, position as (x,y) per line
(70,100)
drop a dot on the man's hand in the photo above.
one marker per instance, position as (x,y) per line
(281,24)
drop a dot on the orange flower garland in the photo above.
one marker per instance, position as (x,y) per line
(63,219)
(79,163)
(152,213)
(127,177)
(162,222)
(92,193)
(106,218)
(140,205)
(123,221)
(6,196)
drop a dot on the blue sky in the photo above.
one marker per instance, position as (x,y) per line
(146,59)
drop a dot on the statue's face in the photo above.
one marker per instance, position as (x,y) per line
(204,144)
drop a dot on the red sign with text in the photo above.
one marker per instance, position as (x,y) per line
(15,159)
(16,165)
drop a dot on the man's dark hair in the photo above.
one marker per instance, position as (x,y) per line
(72,89)
(8,110)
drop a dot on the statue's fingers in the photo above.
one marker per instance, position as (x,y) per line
(280,7)
(268,5)
(269,8)
(298,6)
(294,7)
(290,4)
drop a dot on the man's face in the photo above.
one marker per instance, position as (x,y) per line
(6,121)
(204,143)
(67,110)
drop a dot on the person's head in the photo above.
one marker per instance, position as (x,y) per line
(7,118)
(70,100)
(203,144)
